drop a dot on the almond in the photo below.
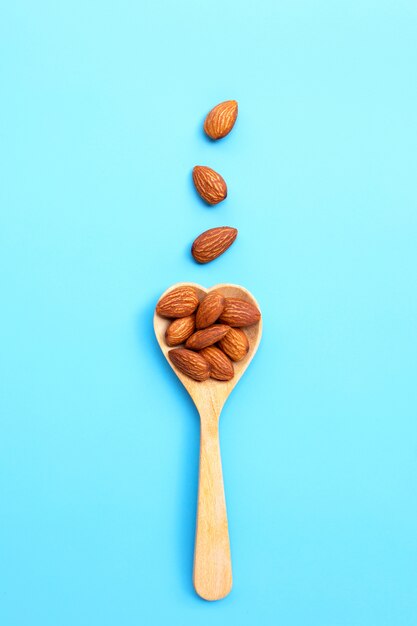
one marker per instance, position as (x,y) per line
(221,119)
(209,310)
(212,243)
(203,338)
(235,344)
(209,184)
(238,312)
(190,363)
(179,330)
(180,302)
(221,368)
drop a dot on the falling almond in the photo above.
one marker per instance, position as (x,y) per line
(209,184)
(221,119)
(212,243)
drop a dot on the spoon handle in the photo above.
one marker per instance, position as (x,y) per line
(212,561)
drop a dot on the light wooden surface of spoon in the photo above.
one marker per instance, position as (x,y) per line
(212,562)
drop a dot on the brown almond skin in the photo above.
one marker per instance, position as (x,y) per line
(190,363)
(179,330)
(221,368)
(203,338)
(221,119)
(238,312)
(180,302)
(235,344)
(210,309)
(209,184)
(212,243)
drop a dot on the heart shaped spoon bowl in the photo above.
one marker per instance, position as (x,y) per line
(212,576)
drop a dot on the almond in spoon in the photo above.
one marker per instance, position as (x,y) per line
(203,338)
(179,302)
(210,309)
(179,330)
(235,344)
(238,312)
(221,368)
(190,363)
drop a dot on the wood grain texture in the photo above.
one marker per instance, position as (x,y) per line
(212,561)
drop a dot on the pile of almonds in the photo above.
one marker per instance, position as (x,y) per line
(210,330)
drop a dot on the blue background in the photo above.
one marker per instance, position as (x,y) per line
(101,112)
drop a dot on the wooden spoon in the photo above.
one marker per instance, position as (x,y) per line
(212,563)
